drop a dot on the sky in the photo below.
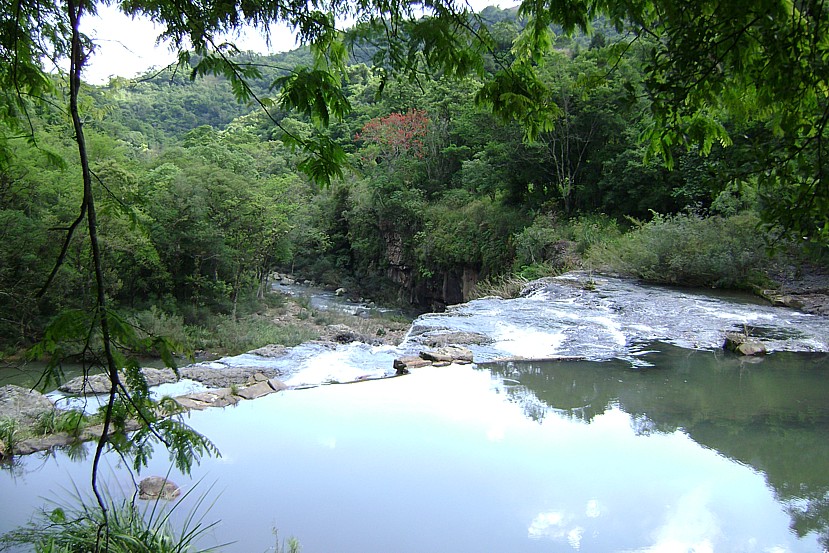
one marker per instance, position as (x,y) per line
(127,46)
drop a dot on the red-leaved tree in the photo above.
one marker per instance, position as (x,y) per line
(396,135)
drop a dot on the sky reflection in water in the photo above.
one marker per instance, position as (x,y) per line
(447,459)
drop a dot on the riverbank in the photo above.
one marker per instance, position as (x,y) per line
(582,316)
(805,288)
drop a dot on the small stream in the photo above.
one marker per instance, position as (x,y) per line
(601,415)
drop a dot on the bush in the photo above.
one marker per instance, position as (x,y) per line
(560,245)
(691,250)
(237,336)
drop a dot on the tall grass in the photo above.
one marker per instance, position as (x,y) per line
(130,527)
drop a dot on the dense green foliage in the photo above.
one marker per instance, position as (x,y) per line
(201,197)
(451,146)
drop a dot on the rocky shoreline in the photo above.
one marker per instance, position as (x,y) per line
(227,384)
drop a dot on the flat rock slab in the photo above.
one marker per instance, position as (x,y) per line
(448,354)
(406,363)
(100,383)
(202,400)
(224,376)
(439,339)
(255,391)
(22,404)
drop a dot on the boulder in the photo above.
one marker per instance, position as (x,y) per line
(22,404)
(452,354)
(743,344)
(277,385)
(403,365)
(157,487)
(256,378)
(342,334)
(91,384)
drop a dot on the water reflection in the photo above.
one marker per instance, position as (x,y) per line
(523,457)
(772,416)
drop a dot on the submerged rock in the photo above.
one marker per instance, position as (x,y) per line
(158,487)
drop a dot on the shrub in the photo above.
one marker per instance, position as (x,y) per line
(560,245)
(688,249)
(237,336)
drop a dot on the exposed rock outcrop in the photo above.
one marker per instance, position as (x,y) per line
(100,384)
(22,404)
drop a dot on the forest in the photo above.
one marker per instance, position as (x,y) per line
(201,197)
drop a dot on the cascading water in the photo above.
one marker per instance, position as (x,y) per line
(601,318)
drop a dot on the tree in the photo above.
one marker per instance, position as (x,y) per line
(706,61)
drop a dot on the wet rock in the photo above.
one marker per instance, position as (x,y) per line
(100,383)
(256,391)
(22,404)
(271,350)
(403,365)
(223,376)
(449,354)
(277,385)
(435,340)
(202,400)
(743,345)
(158,487)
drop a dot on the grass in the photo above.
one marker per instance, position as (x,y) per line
(50,422)
(132,527)
(9,434)
(508,286)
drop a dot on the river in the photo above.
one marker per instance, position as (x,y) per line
(655,440)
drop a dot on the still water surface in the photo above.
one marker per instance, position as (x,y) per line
(699,451)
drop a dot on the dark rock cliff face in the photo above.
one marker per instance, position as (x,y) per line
(434,292)
(446,288)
